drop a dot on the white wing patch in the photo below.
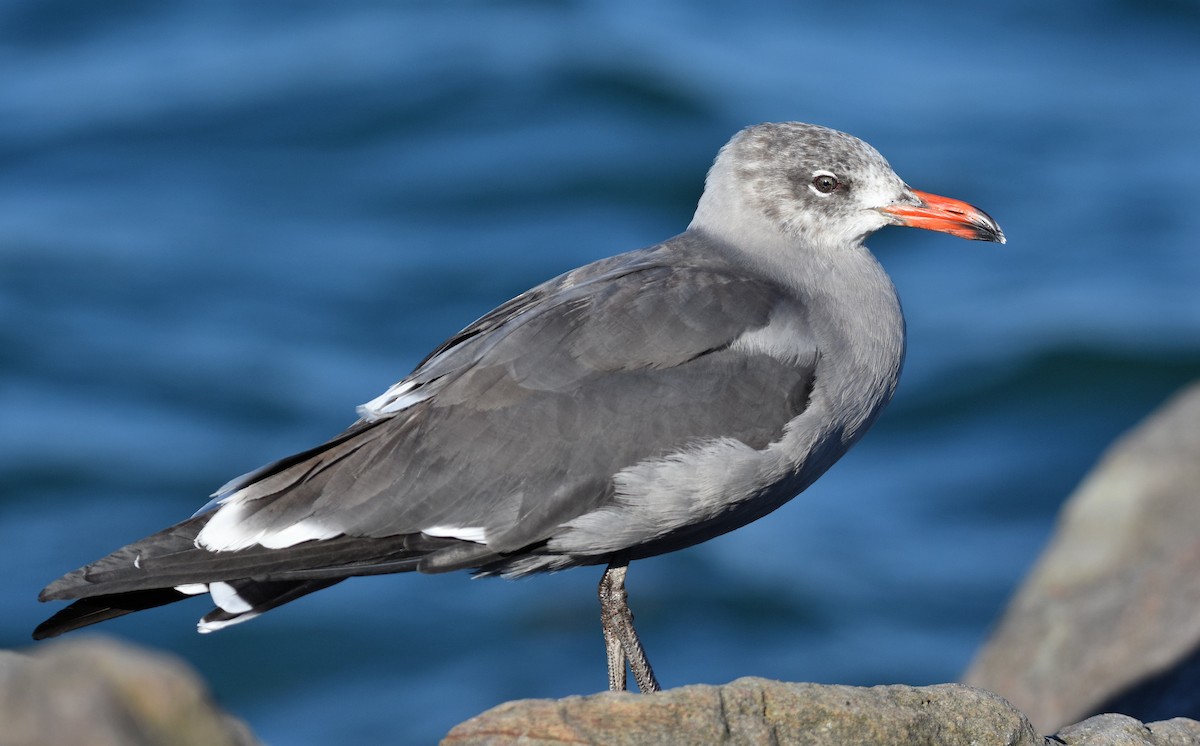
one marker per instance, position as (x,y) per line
(476,534)
(225,531)
(204,627)
(226,597)
(399,397)
(228,600)
(306,530)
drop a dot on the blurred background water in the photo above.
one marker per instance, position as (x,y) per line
(223,225)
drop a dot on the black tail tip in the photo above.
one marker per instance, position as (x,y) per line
(95,609)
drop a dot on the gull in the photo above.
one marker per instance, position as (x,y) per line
(634,406)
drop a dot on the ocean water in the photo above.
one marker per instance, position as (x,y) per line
(223,225)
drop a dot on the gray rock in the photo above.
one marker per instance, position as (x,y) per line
(102,693)
(1109,619)
(758,711)
(1122,730)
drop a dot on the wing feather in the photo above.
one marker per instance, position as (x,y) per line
(540,403)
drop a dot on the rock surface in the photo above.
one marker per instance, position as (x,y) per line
(759,711)
(102,693)
(1109,619)
(1122,730)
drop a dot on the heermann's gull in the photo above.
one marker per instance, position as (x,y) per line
(634,406)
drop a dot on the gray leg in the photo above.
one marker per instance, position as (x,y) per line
(609,616)
(620,638)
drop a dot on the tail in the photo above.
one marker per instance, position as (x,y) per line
(102,608)
(255,597)
(168,566)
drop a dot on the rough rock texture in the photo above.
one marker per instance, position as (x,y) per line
(1109,619)
(1122,730)
(759,711)
(103,693)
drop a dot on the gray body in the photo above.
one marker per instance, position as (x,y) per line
(634,406)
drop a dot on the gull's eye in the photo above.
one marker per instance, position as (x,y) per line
(824,182)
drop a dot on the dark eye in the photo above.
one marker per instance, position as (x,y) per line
(824,182)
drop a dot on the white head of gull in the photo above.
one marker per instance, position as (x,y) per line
(634,406)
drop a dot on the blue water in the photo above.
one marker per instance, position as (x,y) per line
(224,225)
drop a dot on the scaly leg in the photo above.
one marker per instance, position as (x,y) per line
(620,638)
